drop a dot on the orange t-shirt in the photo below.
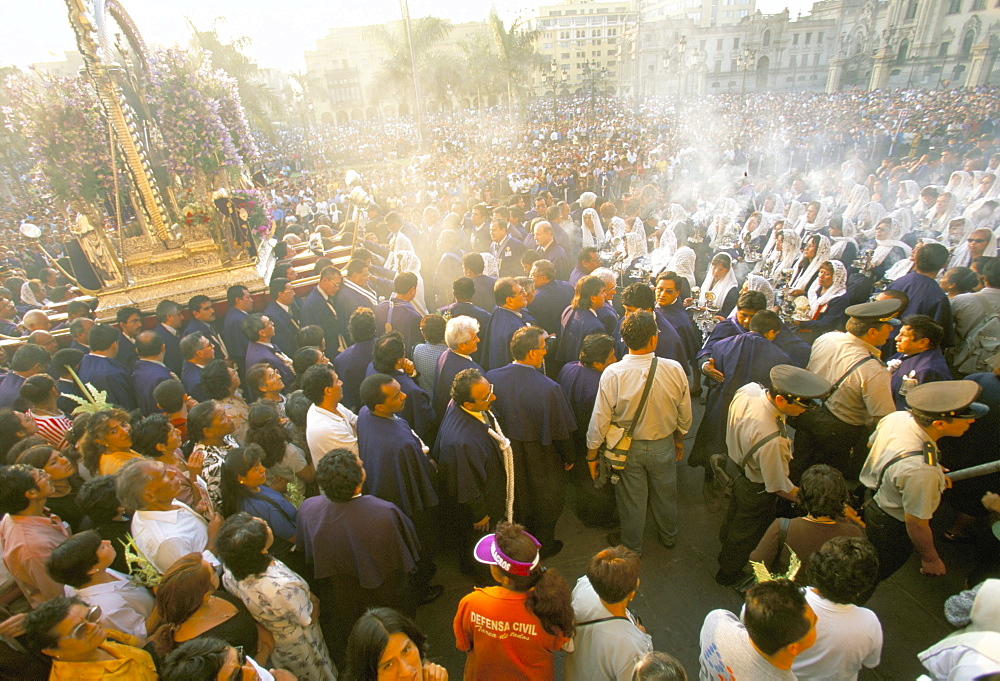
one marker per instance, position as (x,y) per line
(502,638)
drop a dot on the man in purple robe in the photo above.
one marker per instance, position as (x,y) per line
(259,330)
(461,335)
(471,465)
(398,313)
(389,357)
(740,359)
(639,296)
(536,416)
(670,307)
(923,291)
(918,357)
(398,470)
(580,381)
(353,362)
(504,321)
(552,296)
(362,549)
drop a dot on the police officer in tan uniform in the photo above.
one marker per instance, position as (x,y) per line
(836,433)
(759,453)
(903,476)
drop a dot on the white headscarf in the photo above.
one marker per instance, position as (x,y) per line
(720,288)
(961,256)
(588,238)
(959,185)
(884,247)
(794,212)
(840,242)
(817,298)
(683,264)
(616,227)
(871,215)
(755,282)
(491,266)
(911,194)
(822,255)
(667,242)
(938,216)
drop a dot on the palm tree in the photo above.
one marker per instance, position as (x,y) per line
(517,56)
(261,103)
(482,76)
(396,74)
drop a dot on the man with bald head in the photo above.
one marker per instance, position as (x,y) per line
(44,339)
(35,320)
(550,250)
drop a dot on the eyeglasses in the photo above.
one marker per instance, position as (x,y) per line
(93,616)
(488,395)
(241,659)
(977,241)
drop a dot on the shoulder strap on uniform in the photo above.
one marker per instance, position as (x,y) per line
(899,457)
(760,443)
(849,372)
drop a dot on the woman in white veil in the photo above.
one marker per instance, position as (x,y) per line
(908,194)
(871,215)
(815,251)
(407,261)
(720,280)
(794,213)
(634,241)
(591,229)
(683,263)
(848,237)
(959,186)
(888,246)
(964,253)
(941,213)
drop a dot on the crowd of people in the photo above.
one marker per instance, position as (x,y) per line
(526,317)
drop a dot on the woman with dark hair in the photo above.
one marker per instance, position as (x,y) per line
(580,380)
(720,284)
(283,461)
(536,602)
(210,438)
(828,300)
(264,381)
(14,427)
(103,513)
(389,358)
(385,645)
(276,596)
(580,319)
(70,632)
(65,482)
(823,496)
(815,251)
(107,442)
(191,605)
(156,438)
(243,489)
(83,563)
(221,383)
(305,358)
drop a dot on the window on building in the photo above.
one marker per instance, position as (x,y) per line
(967,41)
(732,64)
(766,40)
(564,55)
(597,53)
(570,12)
(943,50)
(596,33)
(581,34)
(795,39)
(563,35)
(718,65)
(612,53)
(581,55)
(546,46)
(791,62)
(816,59)
(736,43)
(743,13)
(904,48)
(809,37)
(978,5)
(955,7)
(612,31)
(718,44)
(602,11)
(911,10)
(819,38)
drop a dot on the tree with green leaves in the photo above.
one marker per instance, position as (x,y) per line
(517,56)
(396,74)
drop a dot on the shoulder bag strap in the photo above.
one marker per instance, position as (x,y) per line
(760,443)
(642,400)
(783,532)
(603,619)
(894,460)
(849,372)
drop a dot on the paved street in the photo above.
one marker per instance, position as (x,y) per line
(677,588)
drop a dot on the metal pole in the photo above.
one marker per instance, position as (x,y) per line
(419,102)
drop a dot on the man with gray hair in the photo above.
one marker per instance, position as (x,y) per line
(461,335)
(164,528)
(607,314)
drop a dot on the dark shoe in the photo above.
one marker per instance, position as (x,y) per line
(552,549)
(667,544)
(431,594)
(614,537)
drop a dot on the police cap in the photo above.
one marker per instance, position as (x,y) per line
(804,387)
(876,311)
(947,399)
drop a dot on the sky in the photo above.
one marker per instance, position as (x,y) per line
(280,30)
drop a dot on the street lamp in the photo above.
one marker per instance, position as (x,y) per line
(553,80)
(745,62)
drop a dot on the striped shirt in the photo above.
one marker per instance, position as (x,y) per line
(53,428)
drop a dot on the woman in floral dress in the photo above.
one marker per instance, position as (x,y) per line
(277,597)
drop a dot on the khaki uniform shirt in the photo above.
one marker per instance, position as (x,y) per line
(752,417)
(866,395)
(911,486)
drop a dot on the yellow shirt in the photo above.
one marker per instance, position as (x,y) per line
(112,463)
(130,664)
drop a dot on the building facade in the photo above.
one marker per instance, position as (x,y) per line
(840,44)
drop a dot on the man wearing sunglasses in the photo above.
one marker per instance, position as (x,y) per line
(70,632)
(759,453)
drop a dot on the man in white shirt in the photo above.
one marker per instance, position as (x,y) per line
(609,639)
(329,424)
(658,439)
(778,624)
(163,528)
(848,637)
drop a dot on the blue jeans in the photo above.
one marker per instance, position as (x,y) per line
(649,480)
